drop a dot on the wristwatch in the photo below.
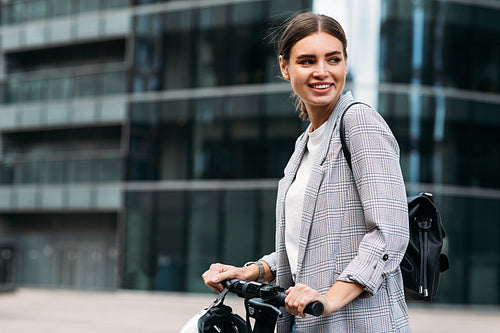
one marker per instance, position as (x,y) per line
(262,270)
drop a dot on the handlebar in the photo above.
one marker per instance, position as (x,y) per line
(273,295)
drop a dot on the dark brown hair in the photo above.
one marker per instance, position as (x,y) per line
(301,26)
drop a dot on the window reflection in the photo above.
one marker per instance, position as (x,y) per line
(20,11)
(464,152)
(109,169)
(54,172)
(449,29)
(24,88)
(85,85)
(248,50)
(38,9)
(34,91)
(213,138)
(211,46)
(62,7)
(84,155)
(113,83)
(59,171)
(79,171)
(183,232)
(179,47)
(89,5)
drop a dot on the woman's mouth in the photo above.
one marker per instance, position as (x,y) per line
(320,85)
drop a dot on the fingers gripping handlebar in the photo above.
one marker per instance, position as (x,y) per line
(272,295)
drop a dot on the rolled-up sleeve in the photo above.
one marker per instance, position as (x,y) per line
(271,260)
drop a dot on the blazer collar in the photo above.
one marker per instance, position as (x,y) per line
(331,124)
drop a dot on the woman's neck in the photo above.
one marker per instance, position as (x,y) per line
(318,115)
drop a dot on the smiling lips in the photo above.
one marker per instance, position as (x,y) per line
(320,85)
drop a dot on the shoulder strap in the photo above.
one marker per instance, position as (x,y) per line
(346,151)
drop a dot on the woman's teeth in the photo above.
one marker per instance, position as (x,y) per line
(320,86)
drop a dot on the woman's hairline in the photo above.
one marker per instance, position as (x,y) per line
(317,31)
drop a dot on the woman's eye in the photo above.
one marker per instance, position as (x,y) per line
(306,62)
(334,60)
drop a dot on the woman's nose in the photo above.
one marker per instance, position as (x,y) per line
(319,72)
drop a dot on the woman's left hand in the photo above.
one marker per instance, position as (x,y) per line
(300,296)
(335,298)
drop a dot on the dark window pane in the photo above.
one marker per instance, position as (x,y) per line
(62,7)
(85,85)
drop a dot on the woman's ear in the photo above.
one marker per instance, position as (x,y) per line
(284,68)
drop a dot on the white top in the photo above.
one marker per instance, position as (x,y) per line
(294,202)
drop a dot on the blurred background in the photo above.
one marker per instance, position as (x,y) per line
(141,140)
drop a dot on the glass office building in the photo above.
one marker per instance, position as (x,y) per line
(143,140)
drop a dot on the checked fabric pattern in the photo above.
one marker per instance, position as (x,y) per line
(355,225)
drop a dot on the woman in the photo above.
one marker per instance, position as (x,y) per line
(340,233)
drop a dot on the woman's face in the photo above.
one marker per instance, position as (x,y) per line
(316,70)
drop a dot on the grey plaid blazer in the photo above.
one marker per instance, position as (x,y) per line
(355,225)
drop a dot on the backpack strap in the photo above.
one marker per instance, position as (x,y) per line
(346,151)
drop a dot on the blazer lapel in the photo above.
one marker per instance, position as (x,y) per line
(294,162)
(289,175)
(331,124)
(317,176)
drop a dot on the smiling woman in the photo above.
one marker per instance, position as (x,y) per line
(340,232)
(316,69)
(306,27)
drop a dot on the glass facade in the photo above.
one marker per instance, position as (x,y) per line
(446,55)
(186,231)
(158,130)
(226,137)
(456,44)
(24,11)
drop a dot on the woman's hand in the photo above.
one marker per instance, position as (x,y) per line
(335,298)
(220,272)
(300,296)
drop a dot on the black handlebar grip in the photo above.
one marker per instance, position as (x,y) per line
(227,283)
(278,299)
(315,308)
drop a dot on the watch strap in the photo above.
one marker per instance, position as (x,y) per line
(262,270)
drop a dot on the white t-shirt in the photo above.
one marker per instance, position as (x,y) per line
(294,201)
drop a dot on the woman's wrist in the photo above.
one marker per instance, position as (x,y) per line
(250,272)
(259,271)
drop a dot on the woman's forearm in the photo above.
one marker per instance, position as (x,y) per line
(340,294)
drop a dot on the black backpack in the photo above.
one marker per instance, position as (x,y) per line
(423,261)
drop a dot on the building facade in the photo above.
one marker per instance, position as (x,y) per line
(143,140)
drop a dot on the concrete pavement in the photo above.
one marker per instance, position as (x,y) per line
(53,311)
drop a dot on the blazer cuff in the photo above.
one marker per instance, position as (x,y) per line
(370,274)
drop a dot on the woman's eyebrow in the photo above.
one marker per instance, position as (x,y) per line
(329,54)
(309,56)
(306,56)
